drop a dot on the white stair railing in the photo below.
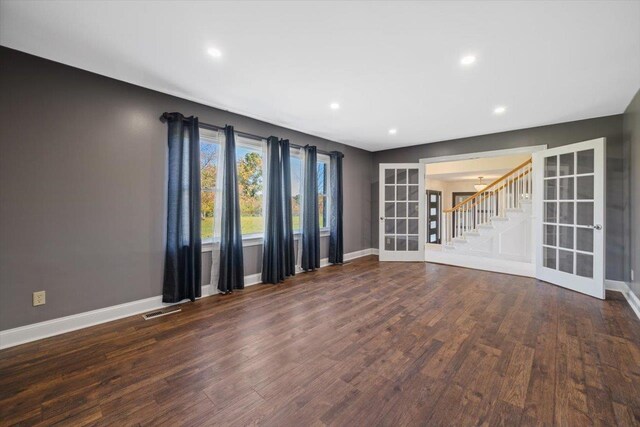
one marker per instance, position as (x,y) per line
(492,202)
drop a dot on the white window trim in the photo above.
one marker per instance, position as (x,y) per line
(255,240)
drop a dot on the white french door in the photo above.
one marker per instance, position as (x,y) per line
(402,212)
(570,216)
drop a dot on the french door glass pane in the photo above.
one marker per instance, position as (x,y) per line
(550,235)
(401,207)
(389,193)
(550,189)
(549,257)
(585,187)
(390,210)
(401,226)
(566,164)
(389,226)
(389,176)
(584,214)
(566,213)
(566,188)
(550,212)
(550,166)
(565,237)
(414,210)
(402,192)
(584,265)
(412,243)
(402,176)
(584,239)
(585,161)
(413,176)
(401,243)
(565,261)
(389,243)
(413,226)
(413,192)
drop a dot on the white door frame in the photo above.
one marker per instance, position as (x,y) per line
(401,255)
(530,149)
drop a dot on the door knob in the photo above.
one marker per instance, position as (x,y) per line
(381,218)
(597,227)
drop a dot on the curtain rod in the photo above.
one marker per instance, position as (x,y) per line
(244,134)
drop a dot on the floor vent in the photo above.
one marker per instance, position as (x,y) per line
(160,313)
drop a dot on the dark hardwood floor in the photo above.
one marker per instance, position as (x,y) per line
(366,343)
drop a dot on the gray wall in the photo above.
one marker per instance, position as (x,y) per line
(632,150)
(553,136)
(82,188)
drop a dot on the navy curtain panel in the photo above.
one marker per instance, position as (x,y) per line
(273,248)
(289,253)
(278,256)
(336,242)
(231,263)
(183,254)
(310,223)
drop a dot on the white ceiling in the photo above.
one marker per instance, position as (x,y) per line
(388,64)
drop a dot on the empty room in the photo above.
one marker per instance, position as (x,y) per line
(319,213)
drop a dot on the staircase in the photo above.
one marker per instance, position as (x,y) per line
(495,222)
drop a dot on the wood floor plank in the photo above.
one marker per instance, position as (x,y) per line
(365,343)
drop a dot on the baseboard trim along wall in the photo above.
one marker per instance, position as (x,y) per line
(61,325)
(622,287)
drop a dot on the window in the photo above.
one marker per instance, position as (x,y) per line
(250,169)
(323,190)
(250,184)
(296,189)
(209,165)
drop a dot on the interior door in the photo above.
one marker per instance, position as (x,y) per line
(570,216)
(434,209)
(402,212)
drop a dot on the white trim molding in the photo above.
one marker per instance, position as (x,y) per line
(623,288)
(61,325)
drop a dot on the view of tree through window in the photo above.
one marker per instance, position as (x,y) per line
(250,187)
(249,164)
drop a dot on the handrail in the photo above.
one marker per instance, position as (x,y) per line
(488,195)
(486,189)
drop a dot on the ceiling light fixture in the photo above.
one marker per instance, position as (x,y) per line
(214,52)
(393,131)
(480,186)
(468,60)
(334,106)
(499,110)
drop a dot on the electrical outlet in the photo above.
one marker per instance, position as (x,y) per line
(39,298)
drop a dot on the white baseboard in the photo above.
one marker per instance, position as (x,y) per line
(61,325)
(622,287)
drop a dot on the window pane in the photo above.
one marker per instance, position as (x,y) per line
(209,157)
(413,243)
(389,209)
(585,161)
(323,193)
(566,188)
(413,192)
(566,213)
(584,239)
(549,257)
(413,210)
(585,187)
(550,235)
(389,176)
(402,192)
(402,243)
(389,226)
(585,213)
(566,164)
(565,261)
(550,212)
(584,265)
(413,176)
(550,189)
(401,226)
(565,239)
(389,243)
(402,176)
(250,187)
(296,198)
(550,166)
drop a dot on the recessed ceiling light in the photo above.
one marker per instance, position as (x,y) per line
(468,60)
(499,110)
(334,106)
(393,131)
(214,52)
